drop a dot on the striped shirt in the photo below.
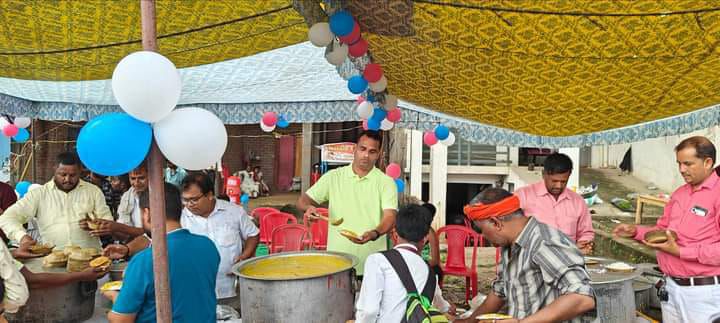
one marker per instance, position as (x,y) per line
(542,265)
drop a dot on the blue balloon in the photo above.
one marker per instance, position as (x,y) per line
(341,23)
(22,187)
(442,132)
(379,114)
(400,185)
(374,124)
(113,144)
(357,84)
(245,199)
(22,136)
(282,123)
(370,98)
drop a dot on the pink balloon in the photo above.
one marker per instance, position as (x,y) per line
(269,118)
(393,170)
(394,115)
(10,130)
(360,99)
(364,124)
(429,138)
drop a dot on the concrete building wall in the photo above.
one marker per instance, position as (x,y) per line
(653,159)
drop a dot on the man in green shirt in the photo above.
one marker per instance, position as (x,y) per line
(362,195)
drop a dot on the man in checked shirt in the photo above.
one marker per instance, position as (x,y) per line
(541,276)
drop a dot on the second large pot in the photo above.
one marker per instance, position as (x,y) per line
(321,298)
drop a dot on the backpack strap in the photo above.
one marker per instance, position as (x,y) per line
(429,289)
(401,268)
(398,263)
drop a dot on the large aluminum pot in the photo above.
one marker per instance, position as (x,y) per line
(70,303)
(324,298)
(614,293)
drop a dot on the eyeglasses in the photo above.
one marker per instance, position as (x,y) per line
(192,200)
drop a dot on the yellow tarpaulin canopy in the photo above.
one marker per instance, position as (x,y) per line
(550,68)
(554,68)
(84,40)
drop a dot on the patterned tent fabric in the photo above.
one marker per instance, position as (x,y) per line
(84,40)
(551,68)
(553,73)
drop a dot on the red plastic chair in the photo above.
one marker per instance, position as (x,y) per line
(272,220)
(289,237)
(318,230)
(456,237)
(258,214)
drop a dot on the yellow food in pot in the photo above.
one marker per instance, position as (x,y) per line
(295,267)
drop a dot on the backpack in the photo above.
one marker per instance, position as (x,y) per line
(419,307)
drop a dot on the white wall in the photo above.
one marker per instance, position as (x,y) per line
(653,159)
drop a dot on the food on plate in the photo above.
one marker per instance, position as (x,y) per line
(658,236)
(620,267)
(349,234)
(41,248)
(112,286)
(101,262)
(55,259)
(69,249)
(590,261)
(93,225)
(493,316)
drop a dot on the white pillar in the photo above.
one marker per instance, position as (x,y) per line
(415,161)
(306,156)
(514,156)
(438,182)
(574,154)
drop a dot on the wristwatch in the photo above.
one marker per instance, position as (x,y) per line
(377,235)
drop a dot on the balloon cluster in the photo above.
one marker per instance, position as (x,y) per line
(349,40)
(441,134)
(376,115)
(21,188)
(147,87)
(393,170)
(16,130)
(270,120)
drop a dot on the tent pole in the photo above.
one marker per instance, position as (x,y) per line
(157,190)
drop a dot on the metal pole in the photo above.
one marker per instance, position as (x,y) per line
(157,190)
(32,151)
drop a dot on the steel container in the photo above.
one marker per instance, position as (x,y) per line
(71,303)
(326,298)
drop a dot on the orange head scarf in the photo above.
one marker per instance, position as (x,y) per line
(501,208)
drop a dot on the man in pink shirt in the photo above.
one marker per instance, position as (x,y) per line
(552,203)
(691,263)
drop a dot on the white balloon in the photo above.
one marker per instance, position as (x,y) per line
(267,128)
(386,125)
(34,186)
(320,34)
(192,138)
(338,55)
(146,85)
(365,110)
(449,141)
(22,122)
(380,85)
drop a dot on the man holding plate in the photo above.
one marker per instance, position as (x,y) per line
(359,194)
